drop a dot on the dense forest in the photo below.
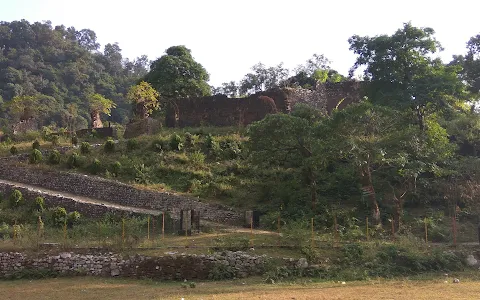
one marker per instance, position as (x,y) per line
(63,66)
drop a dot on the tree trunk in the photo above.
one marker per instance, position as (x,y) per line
(313,189)
(367,183)
(96,121)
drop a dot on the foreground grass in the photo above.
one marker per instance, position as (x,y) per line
(106,289)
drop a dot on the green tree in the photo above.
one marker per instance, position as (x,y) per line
(177,75)
(144,98)
(289,142)
(401,72)
(99,104)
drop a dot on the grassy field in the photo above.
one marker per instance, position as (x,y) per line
(106,289)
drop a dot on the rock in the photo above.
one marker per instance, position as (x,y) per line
(471,261)
(302,263)
(456,280)
(115,272)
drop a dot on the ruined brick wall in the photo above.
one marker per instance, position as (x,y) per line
(146,126)
(24,126)
(327,96)
(218,110)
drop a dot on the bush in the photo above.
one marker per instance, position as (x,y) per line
(16,199)
(191,140)
(176,143)
(85,148)
(54,157)
(109,146)
(142,174)
(74,161)
(352,252)
(222,272)
(13,150)
(39,204)
(132,144)
(36,156)
(73,218)
(59,216)
(95,167)
(116,168)
(36,145)
(74,140)
(55,139)
(197,159)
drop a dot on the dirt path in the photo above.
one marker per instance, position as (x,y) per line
(81,199)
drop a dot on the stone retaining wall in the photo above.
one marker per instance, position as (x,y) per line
(170,267)
(92,210)
(114,192)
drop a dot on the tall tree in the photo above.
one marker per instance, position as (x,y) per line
(98,105)
(401,72)
(177,75)
(144,98)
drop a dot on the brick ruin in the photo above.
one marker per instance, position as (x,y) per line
(219,110)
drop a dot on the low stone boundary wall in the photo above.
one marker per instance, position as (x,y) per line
(170,267)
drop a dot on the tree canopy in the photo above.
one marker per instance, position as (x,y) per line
(177,75)
(38,60)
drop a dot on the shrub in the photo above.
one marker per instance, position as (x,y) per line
(36,145)
(132,144)
(212,146)
(13,150)
(95,167)
(39,204)
(352,252)
(191,140)
(176,143)
(74,161)
(116,168)
(85,148)
(109,146)
(54,157)
(16,198)
(142,174)
(36,156)
(55,139)
(73,218)
(197,159)
(222,272)
(74,140)
(4,230)
(59,216)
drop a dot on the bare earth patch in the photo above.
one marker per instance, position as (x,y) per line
(109,289)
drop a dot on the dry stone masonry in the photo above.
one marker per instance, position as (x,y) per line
(169,267)
(110,191)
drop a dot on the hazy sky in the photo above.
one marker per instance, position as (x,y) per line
(228,37)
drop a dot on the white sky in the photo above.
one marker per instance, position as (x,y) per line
(228,37)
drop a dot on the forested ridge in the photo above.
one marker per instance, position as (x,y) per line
(64,66)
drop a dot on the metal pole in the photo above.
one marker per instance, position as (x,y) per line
(335,224)
(393,228)
(426,230)
(163,225)
(251,231)
(366,222)
(123,230)
(148,228)
(313,244)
